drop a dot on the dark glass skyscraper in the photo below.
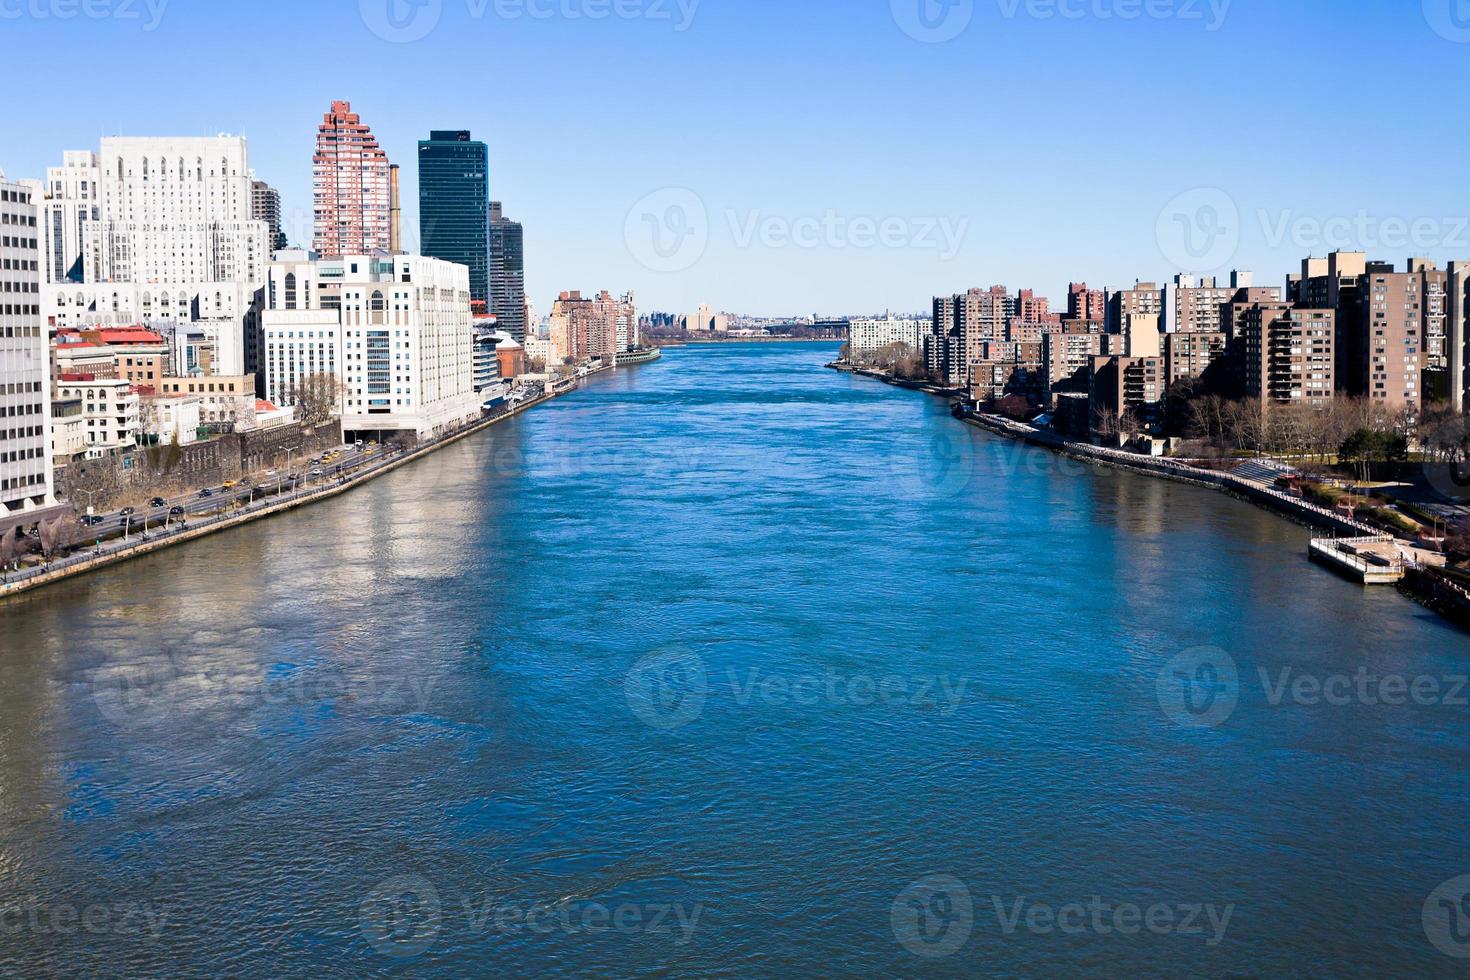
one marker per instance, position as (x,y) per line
(507,274)
(454,204)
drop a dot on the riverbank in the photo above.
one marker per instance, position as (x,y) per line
(116,553)
(1424,586)
(696,341)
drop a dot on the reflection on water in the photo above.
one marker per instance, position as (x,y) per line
(734,642)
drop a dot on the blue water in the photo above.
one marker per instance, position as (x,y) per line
(729,665)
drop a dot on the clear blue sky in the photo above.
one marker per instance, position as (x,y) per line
(1054,141)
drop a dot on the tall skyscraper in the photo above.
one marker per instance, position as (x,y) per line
(25,380)
(351,186)
(507,273)
(265,205)
(454,204)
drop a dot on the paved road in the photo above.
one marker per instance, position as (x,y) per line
(117,532)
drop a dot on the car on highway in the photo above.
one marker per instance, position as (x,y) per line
(176,512)
(158,502)
(91,520)
(206,492)
(317,472)
(229,485)
(126,512)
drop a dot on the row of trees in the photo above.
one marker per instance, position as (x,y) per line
(1353,430)
(898,359)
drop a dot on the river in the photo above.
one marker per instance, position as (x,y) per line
(732,665)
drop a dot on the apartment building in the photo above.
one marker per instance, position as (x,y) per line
(872,335)
(1122,388)
(1066,359)
(1391,311)
(26,492)
(1086,304)
(1190,355)
(1286,354)
(1144,299)
(351,187)
(111,415)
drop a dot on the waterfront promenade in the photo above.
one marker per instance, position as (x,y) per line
(91,558)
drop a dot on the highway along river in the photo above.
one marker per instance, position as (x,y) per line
(732,665)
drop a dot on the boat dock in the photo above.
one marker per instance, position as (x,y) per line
(1371,560)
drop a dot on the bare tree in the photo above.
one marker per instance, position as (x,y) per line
(8,549)
(58,535)
(317,397)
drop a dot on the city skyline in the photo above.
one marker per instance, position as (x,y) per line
(1140,146)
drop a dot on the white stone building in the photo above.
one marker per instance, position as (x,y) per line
(873,335)
(25,367)
(110,415)
(172,417)
(153,229)
(395,329)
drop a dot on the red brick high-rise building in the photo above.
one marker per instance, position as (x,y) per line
(352,189)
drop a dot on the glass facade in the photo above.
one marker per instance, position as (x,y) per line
(507,274)
(454,204)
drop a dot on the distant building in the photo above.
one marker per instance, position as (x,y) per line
(1086,304)
(961,324)
(1199,305)
(265,205)
(1144,298)
(705,320)
(872,335)
(454,204)
(352,191)
(508,274)
(585,328)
